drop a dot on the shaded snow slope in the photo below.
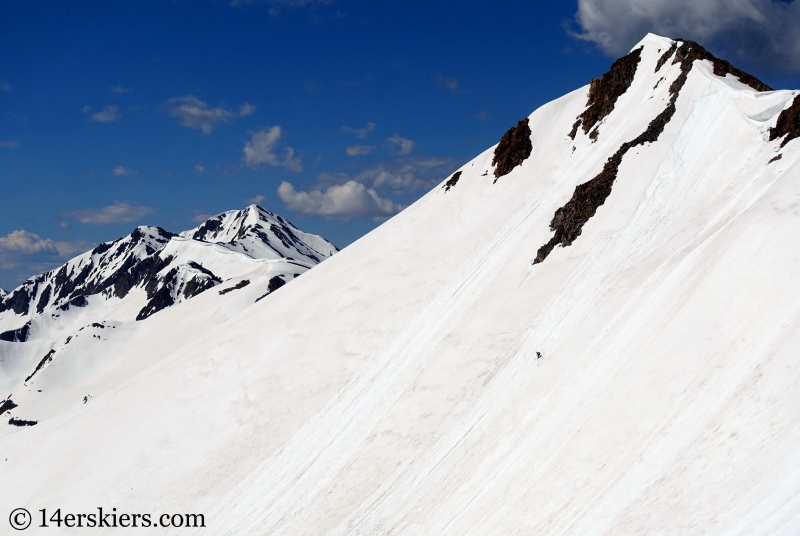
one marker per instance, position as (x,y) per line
(397,388)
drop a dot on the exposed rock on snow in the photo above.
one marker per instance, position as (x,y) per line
(570,219)
(604,92)
(514,147)
(452,181)
(241,284)
(788,124)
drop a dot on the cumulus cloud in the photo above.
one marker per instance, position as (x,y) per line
(194,113)
(340,201)
(10,144)
(120,90)
(30,253)
(26,243)
(407,175)
(261,149)
(122,171)
(403,175)
(357,150)
(4,85)
(360,133)
(109,114)
(757,30)
(404,145)
(119,212)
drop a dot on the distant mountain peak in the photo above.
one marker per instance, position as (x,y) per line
(259,233)
(139,260)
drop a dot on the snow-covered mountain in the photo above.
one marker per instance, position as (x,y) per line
(55,325)
(590,328)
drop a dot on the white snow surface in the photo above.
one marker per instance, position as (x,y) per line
(396,389)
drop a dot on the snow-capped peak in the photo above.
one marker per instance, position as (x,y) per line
(260,233)
(170,267)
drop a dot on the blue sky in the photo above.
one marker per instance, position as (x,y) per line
(335,114)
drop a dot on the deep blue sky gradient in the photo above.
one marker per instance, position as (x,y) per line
(311,70)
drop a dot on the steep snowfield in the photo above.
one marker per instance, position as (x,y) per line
(396,388)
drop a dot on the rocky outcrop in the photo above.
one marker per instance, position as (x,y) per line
(16,335)
(604,92)
(178,284)
(274,284)
(689,51)
(514,147)
(45,360)
(568,221)
(788,123)
(452,181)
(241,284)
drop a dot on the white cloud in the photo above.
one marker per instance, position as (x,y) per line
(257,200)
(4,85)
(120,90)
(10,144)
(122,171)
(360,133)
(247,109)
(760,30)
(407,175)
(109,114)
(33,254)
(27,244)
(119,212)
(343,201)
(404,145)
(199,168)
(403,175)
(357,150)
(448,82)
(193,113)
(200,217)
(261,147)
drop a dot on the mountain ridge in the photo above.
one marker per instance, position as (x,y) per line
(428,379)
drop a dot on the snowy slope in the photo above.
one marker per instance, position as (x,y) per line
(112,312)
(397,389)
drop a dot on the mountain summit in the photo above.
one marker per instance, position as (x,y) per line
(590,328)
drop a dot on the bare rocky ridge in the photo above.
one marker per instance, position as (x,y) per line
(569,220)
(514,147)
(788,124)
